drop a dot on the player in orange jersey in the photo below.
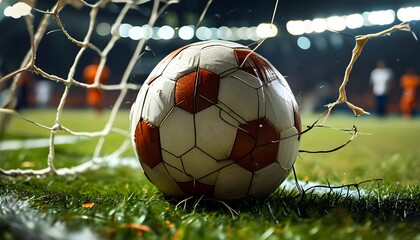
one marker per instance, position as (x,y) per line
(94,95)
(409,82)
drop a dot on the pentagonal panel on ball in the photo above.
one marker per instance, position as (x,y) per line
(197,90)
(177,132)
(240,94)
(146,139)
(214,135)
(255,64)
(256,145)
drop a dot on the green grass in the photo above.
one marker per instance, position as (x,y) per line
(127,206)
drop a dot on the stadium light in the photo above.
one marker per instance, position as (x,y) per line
(224,33)
(354,21)
(103,29)
(308,26)
(336,23)
(166,32)
(408,14)
(266,30)
(203,33)
(381,17)
(253,34)
(304,42)
(135,33)
(124,29)
(148,31)
(186,32)
(319,25)
(296,27)
(17,10)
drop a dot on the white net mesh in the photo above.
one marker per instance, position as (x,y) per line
(38,32)
(70,82)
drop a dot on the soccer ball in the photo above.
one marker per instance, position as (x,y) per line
(214,118)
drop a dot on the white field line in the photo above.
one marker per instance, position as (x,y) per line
(10,145)
(289,184)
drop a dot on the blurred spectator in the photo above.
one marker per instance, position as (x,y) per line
(24,84)
(381,78)
(94,95)
(43,90)
(409,82)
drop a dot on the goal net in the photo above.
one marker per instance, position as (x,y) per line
(43,22)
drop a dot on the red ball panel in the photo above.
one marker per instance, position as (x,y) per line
(255,65)
(256,145)
(184,92)
(243,146)
(264,155)
(196,94)
(148,143)
(207,89)
(195,188)
(266,132)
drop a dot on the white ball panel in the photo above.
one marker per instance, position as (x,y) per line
(217,59)
(214,136)
(183,63)
(177,132)
(279,106)
(198,164)
(159,100)
(135,112)
(175,169)
(230,118)
(289,147)
(266,180)
(238,95)
(232,183)
(281,78)
(203,44)
(246,78)
(212,178)
(160,178)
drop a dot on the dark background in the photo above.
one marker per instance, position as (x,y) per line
(309,72)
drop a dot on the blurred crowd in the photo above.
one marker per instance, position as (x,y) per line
(43,93)
(382,82)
